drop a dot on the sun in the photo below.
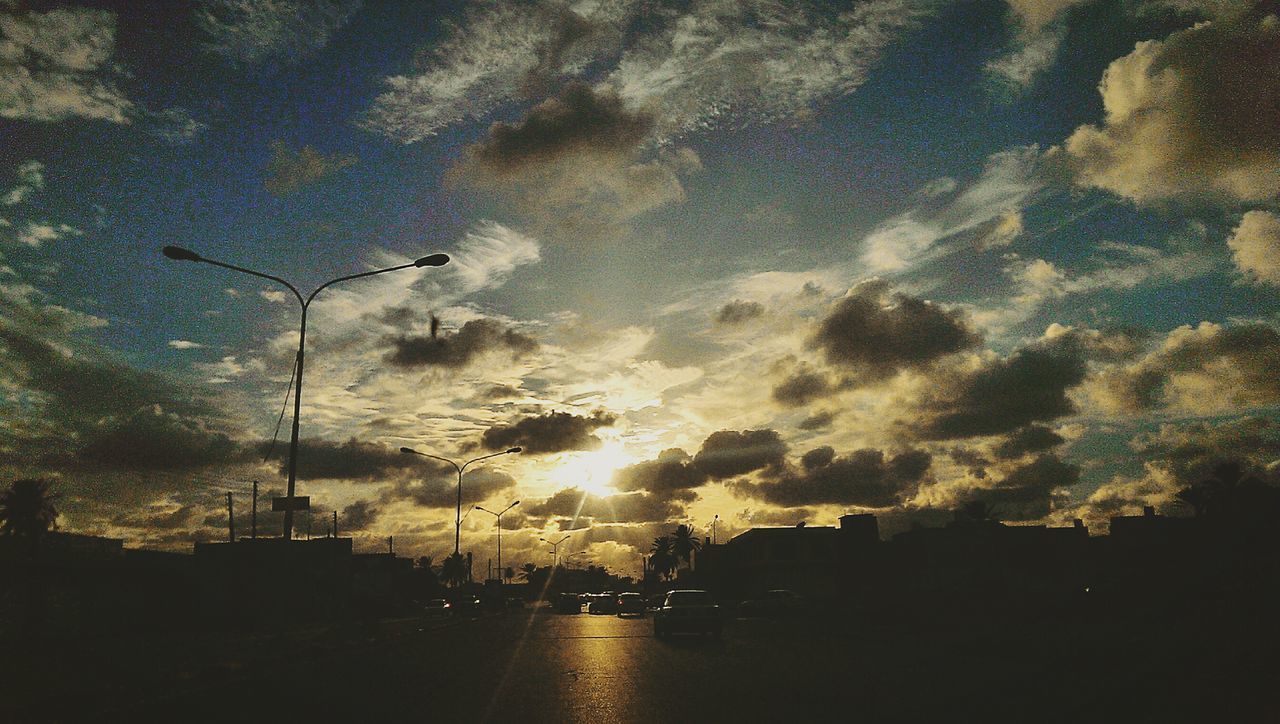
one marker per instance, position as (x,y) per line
(593,471)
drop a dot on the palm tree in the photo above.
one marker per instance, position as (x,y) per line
(684,543)
(27,512)
(663,559)
(527,570)
(453,572)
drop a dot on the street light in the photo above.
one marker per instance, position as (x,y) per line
(178,253)
(555,545)
(457,527)
(499,517)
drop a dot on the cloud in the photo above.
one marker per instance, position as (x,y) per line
(1035,14)
(739,311)
(174,126)
(639,507)
(1204,369)
(549,433)
(1030,491)
(184,344)
(1030,439)
(290,171)
(151,439)
(1032,55)
(498,53)
(475,338)
(350,460)
(580,122)
(817,421)
(1002,394)
(875,335)
(575,161)
(35,234)
(358,516)
(1255,246)
(30,180)
(802,387)
(1190,115)
(256,31)
(1008,179)
(672,474)
(865,477)
(727,453)
(55,66)
(733,64)
(439,489)
(489,254)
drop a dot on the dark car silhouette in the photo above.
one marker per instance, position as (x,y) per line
(688,611)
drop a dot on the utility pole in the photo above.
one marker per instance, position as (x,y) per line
(391,545)
(231,521)
(253,518)
(335,524)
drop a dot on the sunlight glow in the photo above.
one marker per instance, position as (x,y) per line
(592,471)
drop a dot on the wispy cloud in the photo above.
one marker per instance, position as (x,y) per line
(255,31)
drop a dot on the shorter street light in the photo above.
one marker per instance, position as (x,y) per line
(499,522)
(457,526)
(555,545)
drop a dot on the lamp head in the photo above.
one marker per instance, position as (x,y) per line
(408,451)
(432,260)
(514,450)
(179,254)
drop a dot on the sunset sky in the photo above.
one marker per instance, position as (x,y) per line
(771,261)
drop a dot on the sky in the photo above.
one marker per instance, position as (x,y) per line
(736,263)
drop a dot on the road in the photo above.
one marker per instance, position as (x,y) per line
(544,667)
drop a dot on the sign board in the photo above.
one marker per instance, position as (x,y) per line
(300,502)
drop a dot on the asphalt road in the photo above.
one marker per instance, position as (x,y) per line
(544,667)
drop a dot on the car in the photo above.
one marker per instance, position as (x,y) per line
(777,603)
(466,606)
(436,607)
(568,603)
(602,603)
(630,604)
(688,611)
(515,602)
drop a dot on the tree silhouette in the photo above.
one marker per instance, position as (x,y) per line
(684,543)
(27,512)
(977,511)
(453,572)
(527,570)
(663,559)
(1230,494)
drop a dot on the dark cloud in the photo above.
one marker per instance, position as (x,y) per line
(801,388)
(817,420)
(1030,439)
(673,474)
(290,171)
(494,393)
(637,507)
(1004,394)
(581,121)
(876,334)
(549,433)
(1237,366)
(358,516)
(1029,491)
(727,453)
(163,518)
(863,478)
(454,351)
(739,311)
(975,461)
(351,460)
(440,489)
(150,439)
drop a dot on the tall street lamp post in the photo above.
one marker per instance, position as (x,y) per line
(457,526)
(180,254)
(499,521)
(555,546)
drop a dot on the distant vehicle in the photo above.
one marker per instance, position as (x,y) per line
(436,607)
(466,606)
(688,611)
(568,603)
(603,603)
(778,603)
(515,602)
(630,604)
